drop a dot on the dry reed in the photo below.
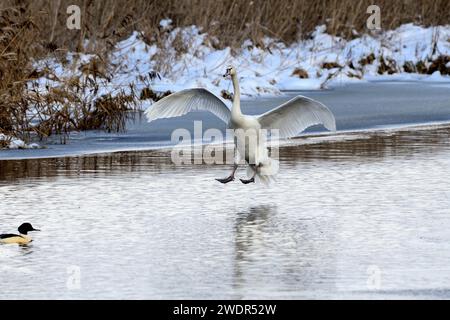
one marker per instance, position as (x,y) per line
(30,30)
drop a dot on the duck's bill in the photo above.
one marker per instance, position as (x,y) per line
(36,229)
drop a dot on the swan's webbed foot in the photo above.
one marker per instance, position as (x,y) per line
(226,180)
(231,177)
(252,180)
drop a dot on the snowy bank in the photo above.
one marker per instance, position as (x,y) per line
(187,58)
(7,142)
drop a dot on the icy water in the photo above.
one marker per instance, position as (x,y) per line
(363,215)
(356,107)
(366,217)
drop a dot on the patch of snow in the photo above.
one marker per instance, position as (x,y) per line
(436,77)
(14,143)
(165,23)
(186,59)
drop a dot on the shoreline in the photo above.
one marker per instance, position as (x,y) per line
(303,139)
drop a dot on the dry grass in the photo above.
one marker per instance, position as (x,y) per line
(301,73)
(230,22)
(34,29)
(72,105)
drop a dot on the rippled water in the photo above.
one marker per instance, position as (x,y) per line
(366,217)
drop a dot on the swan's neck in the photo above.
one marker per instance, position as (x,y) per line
(236,109)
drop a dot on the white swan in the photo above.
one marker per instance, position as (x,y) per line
(289,118)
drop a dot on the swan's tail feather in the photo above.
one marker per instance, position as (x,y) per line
(266,172)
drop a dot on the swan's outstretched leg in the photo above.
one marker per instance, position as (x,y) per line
(231,177)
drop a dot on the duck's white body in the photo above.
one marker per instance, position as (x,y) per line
(18,239)
(290,118)
(21,238)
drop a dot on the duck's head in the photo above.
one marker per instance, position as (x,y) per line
(26,227)
(230,71)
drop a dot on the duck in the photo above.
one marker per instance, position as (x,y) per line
(289,119)
(21,238)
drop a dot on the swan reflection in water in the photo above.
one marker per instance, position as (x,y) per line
(299,253)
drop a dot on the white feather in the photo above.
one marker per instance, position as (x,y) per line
(296,115)
(289,118)
(185,101)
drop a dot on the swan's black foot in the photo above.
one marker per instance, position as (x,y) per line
(252,180)
(226,180)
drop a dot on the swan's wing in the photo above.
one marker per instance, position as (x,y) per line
(296,115)
(182,102)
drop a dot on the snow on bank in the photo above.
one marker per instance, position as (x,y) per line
(14,143)
(186,59)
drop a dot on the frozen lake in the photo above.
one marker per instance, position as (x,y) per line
(356,107)
(362,215)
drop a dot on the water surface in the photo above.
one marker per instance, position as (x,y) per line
(342,212)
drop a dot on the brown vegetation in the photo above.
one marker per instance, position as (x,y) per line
(104,21)
(387,65)
(367,60)
(30,30)
(429,67)
(440,64)
(331,65)
(226,95)
(301,73)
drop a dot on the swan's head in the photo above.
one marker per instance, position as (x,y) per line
(230,71)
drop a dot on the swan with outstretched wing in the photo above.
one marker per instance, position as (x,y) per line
(290,118)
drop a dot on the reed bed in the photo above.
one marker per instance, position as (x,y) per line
(31,30)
